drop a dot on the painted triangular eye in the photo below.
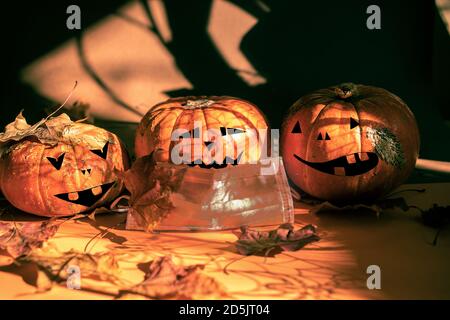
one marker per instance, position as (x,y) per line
(57,163)
(208,144)
(353,123)
(297,128)
(327,137)
(319,137)
(102,153)
(234,131)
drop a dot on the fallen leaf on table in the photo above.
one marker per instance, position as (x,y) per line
(20,238)
(102,266)
(99,272)
(252,242)
(375,208)
(165,280)
(329,207)
(150,186)
(437,216)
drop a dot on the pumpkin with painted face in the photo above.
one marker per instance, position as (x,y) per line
(349,143)
(58,167)
(235,127)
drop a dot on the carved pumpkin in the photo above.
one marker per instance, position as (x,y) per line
(349,142)
(236,123)
(58,167)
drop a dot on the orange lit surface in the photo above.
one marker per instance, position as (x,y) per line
(333,268)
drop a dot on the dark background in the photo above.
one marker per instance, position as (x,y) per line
(298,46)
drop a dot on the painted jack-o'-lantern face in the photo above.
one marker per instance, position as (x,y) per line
(61,167)
(349,142)
(196,128)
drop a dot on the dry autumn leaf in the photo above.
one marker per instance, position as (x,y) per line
(253,242)
(166,280)
(150,186)
(374,208)
(102,266)
(20,238)
(50,131)
(99,272)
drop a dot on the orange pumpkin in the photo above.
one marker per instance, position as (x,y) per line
(59,167)
(235,121)
(349,143)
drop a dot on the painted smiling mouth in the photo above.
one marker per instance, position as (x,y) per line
(350,165)
(226,161)
(86,197)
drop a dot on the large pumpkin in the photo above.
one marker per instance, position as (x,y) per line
(59,167)
(240,126)
(349,143)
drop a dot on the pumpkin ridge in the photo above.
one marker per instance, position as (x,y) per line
(241,117)
(76,176)
(148,119)
(245,121)
(310,133)
(175,127)
(205,119)
(39,182)
(151,118)
(356,107)
(159,123)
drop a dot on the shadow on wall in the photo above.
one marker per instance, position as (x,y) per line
(297,46)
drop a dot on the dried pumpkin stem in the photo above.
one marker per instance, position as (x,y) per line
(198,103)
(346,90)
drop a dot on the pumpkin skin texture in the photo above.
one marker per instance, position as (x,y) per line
(154,132)
(349,143)
(64,177)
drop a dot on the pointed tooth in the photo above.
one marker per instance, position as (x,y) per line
(339,171)
(351,158)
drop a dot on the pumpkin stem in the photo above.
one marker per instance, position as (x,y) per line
(346,90)
(198,103)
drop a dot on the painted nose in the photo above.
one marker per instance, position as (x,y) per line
(86,171)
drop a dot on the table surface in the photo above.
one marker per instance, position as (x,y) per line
(333,268)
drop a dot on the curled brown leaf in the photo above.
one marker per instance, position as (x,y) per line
(166,280)
(20,238)
(252,241)
(150,185)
